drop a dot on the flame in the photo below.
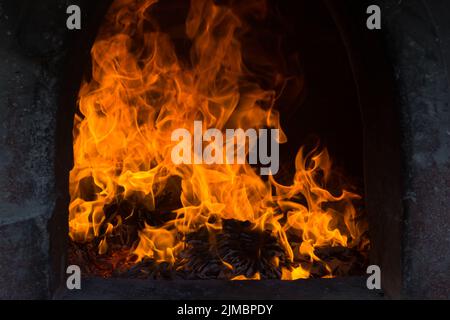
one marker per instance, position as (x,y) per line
(140,92)
(256,276)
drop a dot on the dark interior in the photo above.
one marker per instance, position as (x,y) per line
(318,105)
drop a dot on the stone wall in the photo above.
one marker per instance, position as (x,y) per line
(418,41)
(31,52)
(41,67)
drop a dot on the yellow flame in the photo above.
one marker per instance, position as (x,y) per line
(256,276)
(140,92)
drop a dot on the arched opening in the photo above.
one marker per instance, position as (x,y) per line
(246,66)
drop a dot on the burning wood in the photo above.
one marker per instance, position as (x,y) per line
(136,212)
(237,252)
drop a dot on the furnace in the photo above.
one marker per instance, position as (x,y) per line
(87,177)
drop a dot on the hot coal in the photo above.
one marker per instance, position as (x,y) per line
(91,263)
(209,256)
(251,251)
(238,249)
(343,261)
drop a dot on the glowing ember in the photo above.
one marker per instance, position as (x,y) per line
(125,186)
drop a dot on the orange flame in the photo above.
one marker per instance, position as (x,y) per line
(140,92)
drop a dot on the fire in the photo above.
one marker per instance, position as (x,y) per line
(139,93)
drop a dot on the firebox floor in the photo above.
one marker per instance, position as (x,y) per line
(135,289)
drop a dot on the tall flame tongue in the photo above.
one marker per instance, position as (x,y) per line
(140,92)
